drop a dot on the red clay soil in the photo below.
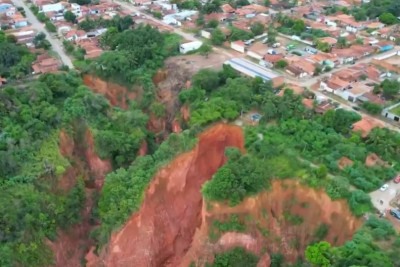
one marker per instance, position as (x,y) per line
(66,144)
(373,160)
(115,93)
(176,127)
(71,245)
(98,167)
(143,149)
(269,211)
(156,125)
(344,162)
(185,111)
(163,229)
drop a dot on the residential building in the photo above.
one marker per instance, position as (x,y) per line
(45,64)
(253,70)
(392,112)
(269,61)
(76,9)
(206,33)
(238,46)
(227,8)
(257,50)
(191,46)
(51,7)
(4,7)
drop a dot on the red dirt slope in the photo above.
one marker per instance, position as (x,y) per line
(162,231)
(115,93)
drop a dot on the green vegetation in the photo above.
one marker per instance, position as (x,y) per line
(231,225)
(15,60)
(32,206)
(396,110)
(140,52)
(291,26)
(361,251)
(123,190)
(241,176)
(372,108)
(386,10)
(257,28)
(217,37)
(120,23)
(237,257)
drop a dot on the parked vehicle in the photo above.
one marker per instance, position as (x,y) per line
(290,47)
(395,213)
(265,40)
(249,42)
(397,179)
(384,187)
(275,45)
(271,52)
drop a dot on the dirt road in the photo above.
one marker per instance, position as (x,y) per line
(56,44)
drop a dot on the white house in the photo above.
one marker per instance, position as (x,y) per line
(187,47)
(206,34)
(238,46)
(76,9)
(51,7)
(392,112)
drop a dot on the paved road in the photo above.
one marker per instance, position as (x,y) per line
(37,25)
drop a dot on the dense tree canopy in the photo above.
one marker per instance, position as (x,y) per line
(15,60)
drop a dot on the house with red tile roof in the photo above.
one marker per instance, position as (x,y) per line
(45,64)
(270,60)
(365,125)
(227,8)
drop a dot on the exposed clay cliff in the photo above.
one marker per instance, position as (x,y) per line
(161,232)
(118,95)
(270,225)
(71,245)
(172,227)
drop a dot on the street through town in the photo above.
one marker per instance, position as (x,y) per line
(56,44)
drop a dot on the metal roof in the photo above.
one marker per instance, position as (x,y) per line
(251,69)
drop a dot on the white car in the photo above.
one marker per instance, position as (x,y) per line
(384,187)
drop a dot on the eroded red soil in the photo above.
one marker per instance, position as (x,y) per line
(118,95)
(163,229)
(71,245)
(270,225)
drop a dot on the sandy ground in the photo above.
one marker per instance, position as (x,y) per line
(386,197)
(395,60)
(196,62)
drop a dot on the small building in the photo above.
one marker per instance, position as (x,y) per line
(51,8)
(206,33)
(238,46)
(269,60)
(392,112)
(257,51)
(385,46)
(76,10)
(253,70)
(187,47)
(45,64)
(4,7)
